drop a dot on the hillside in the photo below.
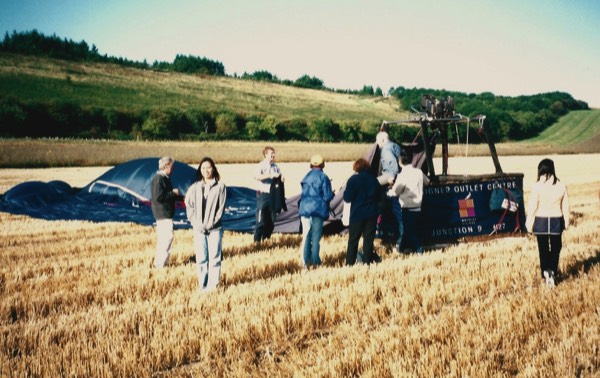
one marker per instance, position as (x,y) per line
(579,128)
(50,98)
(111,86)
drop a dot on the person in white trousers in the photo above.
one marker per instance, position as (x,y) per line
(163,201)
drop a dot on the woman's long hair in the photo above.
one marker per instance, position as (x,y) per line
(212,164)
(546,169)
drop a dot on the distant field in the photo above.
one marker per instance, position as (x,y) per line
(20,153)
(578,130)
(28,153)
(576,127)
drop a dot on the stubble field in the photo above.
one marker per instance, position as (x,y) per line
(81,298)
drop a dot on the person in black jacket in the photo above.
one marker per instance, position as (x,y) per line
(362,192)
(163,209)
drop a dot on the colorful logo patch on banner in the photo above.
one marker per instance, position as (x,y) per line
(466,208)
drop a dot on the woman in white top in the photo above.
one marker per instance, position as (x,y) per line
(547,217)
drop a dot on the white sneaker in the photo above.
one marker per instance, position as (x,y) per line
(549,276)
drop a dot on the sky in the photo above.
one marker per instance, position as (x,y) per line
(507,47)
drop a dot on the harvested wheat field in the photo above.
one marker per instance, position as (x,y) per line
(81,299)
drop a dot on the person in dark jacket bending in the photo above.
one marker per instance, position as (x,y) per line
(314,210)
(163,209)
(362,191)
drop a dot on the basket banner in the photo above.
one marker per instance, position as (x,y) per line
(463,208)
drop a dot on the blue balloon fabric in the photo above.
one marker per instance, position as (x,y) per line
(453,207)
(122,194)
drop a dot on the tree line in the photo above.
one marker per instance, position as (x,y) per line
(64,119)
(510,118)
(306,81)
(38,44)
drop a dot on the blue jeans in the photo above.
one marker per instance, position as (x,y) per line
(397,212)
(312,231)
(208,248)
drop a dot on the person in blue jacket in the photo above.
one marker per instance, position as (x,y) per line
(314,210)
(362,192)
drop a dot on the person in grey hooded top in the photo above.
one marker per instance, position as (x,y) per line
(205,205)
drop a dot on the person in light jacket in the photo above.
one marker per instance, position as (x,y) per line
(408,187)
(388,205)
(314,210)
(547,217)
(205,204)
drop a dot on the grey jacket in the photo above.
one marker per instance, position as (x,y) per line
(213,204)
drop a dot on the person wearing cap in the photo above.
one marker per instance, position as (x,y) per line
(163,209)
(314,210)
(266,174)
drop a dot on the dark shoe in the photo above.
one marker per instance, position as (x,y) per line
(376,258)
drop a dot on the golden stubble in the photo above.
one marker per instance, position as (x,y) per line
(82,299)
